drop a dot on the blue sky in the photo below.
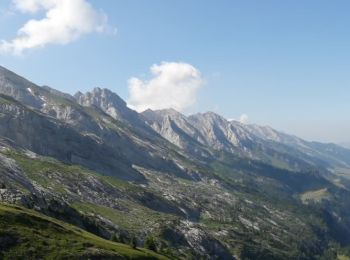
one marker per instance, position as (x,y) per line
(283,63)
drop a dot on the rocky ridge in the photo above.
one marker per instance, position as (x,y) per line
(203,186)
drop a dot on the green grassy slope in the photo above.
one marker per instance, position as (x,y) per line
(26,234)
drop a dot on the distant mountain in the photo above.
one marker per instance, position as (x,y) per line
(198,186)
(345,145)
(257,142)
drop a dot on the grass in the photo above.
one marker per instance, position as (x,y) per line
(48,173)
(26,234)
(39,168)
(5,100)
(123,219)
(118,183)
(135,219)
(52,242)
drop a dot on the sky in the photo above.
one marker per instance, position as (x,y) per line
(280,63)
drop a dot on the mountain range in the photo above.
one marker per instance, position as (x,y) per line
(200,186)
(345,145)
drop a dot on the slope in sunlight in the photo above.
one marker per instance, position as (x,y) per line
(27,234)
(198,186)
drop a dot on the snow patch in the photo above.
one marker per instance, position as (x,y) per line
(30,91)
(43,98)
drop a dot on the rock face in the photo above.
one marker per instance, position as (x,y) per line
(47,136)
(111,104)
(198,132)
(177,129)
(19,88)
(87,135)
(219,133)
(203,186)
(106,100)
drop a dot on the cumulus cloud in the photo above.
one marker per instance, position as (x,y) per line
(173,85)
(244,119)
(64,21)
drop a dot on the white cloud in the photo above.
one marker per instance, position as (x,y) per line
(64,22)
(244,119)
(174,85)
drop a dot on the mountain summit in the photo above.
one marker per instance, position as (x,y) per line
(106,100)
(195,186)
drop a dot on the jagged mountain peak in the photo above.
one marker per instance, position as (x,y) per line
(99,97)
(182,194)
(204,129)
(207,129)
(169,112)
(158,116)
(106,100)
(207,118)
(110,103)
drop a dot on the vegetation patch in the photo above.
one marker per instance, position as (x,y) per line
(25,234)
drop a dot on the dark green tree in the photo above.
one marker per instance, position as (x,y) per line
(133,242)
(150,243)
(123,238)
(114,238)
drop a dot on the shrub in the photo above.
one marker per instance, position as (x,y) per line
(114,238)
(133,242)
(150,243)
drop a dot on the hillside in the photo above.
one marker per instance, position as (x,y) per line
(27,234)
(200,186)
